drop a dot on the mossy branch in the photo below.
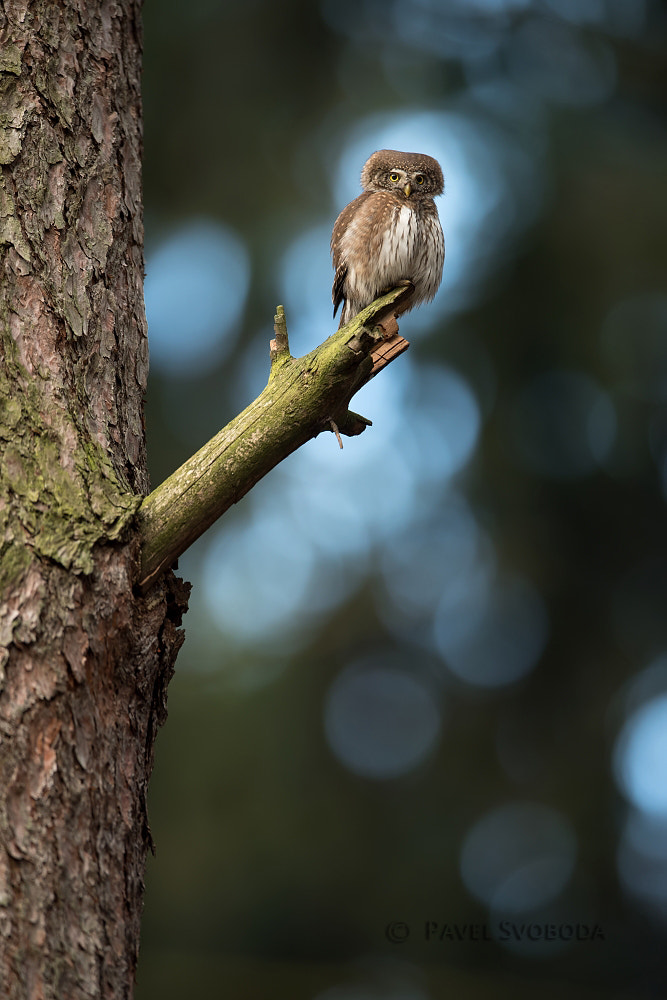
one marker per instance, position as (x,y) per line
(303,397)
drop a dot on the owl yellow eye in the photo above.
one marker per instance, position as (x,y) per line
(419,179)
(393,177)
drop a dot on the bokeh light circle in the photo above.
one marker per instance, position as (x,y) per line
(380,720)
(640,757)
(490,632)
(196,286)
(518,857)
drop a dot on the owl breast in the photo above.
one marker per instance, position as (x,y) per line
(412,247)
(398,248)
(380,240)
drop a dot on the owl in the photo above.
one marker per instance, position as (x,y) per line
(390,233)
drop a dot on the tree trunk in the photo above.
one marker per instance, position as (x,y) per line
(84,661)
(89,609)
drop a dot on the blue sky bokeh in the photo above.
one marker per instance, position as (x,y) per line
(423,676)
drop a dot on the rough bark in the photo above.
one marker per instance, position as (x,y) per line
(84,662)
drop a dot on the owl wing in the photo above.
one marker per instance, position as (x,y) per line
(337,248)
(337,291)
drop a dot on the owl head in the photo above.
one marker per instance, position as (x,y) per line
(410,175)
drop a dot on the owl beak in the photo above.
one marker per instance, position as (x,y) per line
(407,190)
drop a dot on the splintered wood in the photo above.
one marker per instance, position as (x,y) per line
(386,351)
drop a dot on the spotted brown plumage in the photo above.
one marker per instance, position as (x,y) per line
(390,233)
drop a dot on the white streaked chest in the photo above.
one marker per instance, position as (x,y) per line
(397,249)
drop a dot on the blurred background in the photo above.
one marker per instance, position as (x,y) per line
(417,736)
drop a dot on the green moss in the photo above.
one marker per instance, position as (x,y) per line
(15,561)
(10,59)
(302,398)
(49,508)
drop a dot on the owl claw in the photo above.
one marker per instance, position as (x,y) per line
(403,283)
